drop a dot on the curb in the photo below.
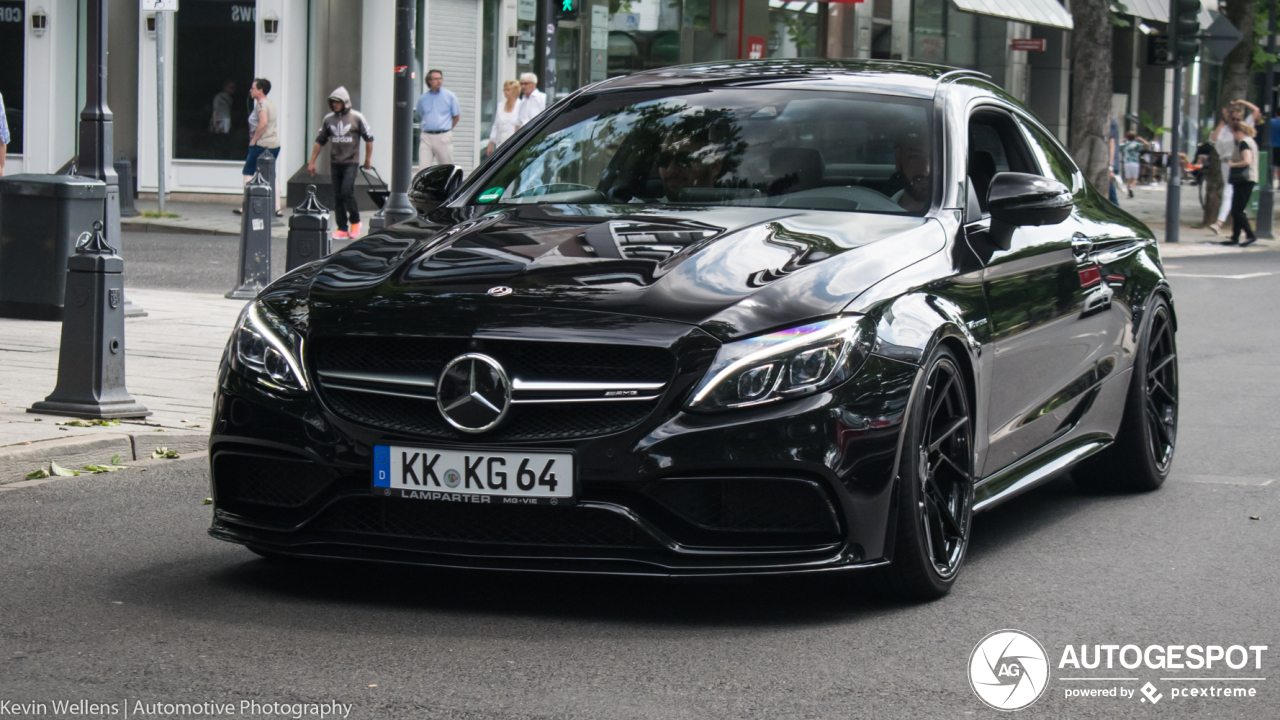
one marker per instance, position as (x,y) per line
(136,226)
(75,452)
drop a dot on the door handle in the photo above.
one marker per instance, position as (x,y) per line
(1081,247)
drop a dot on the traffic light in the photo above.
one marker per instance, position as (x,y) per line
(1187,29)
(568,9)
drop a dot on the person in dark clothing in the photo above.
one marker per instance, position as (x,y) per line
(342,130)
(1243,175)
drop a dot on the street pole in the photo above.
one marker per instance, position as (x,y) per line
(397,208)
(1266,196)
(160,106)
(1173,200)
(96,158)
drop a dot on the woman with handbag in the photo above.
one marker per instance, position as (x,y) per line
(1243,176)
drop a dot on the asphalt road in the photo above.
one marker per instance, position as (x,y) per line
(112,592)
(198,263)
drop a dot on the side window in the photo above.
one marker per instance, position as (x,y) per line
(995,146)
(1055,161)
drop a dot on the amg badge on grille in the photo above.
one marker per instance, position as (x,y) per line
(474,393)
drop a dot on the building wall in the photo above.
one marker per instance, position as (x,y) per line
(453,44)
(51,114)
(377,78)
(122,90)
(1049,80)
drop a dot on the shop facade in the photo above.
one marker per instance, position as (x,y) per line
(214,48)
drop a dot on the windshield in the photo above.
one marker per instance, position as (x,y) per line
(759,147)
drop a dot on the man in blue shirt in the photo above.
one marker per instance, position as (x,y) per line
(438,113)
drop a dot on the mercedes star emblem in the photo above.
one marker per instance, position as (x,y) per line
(473,393)
(499,291)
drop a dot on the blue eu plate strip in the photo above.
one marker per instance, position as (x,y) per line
(381,466)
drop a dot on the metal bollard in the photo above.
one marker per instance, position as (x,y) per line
(308,232)
(91,356)
(267,169)
(255,240)
(124,172)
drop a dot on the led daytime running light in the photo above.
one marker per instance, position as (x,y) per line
(803,338)
(260,326)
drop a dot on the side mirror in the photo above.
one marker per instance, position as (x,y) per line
(433,186)
(1019,199)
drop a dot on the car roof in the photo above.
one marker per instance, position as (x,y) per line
(895,77)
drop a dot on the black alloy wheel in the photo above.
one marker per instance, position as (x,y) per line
(1142,454)
(935,484)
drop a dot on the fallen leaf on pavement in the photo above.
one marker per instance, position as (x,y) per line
(60,471)
(208,501)
(37,474)
(97,469)
(164,452)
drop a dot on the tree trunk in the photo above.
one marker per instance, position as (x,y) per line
(1213,187)
(1091,89)
(1235,68)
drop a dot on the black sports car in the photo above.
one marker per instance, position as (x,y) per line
(742,318)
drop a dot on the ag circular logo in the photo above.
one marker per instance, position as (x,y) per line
(473,393)
(1008,670)
(452,478)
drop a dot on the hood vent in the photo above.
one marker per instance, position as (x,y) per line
(644,241)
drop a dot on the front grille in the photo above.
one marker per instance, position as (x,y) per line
(492,525)
(747,504)
(260,480)
(395,409)
(525,422)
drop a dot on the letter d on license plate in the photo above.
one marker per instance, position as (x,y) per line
(490,477)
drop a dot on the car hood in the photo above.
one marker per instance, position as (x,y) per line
(733,271)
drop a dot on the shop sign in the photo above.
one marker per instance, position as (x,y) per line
(599,27)
(755,47)
(1028,44)
(527,10)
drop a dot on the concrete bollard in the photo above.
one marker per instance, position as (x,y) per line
(255,240)
(91,356)
(308,232)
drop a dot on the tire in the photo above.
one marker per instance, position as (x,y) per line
(1142,454)
(935,484)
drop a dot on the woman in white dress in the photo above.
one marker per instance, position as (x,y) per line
(504,121)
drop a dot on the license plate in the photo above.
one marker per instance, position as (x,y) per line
(493,477)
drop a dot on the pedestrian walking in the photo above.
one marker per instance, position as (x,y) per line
(532,100)
(1131,154)
(341,130)
(438,114)
(220,120)
(1113,148)
(1224,140)
(1275,143)
(263,137)
(504,120)
(4,135)
(1244,175)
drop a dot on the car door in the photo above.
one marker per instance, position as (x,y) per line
(1040,332)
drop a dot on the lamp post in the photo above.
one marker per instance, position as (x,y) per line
(397,208)
(96,159)
(1266,196)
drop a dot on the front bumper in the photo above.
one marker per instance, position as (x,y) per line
(292,478)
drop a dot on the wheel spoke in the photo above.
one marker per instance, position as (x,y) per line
(1158,422)
(955,425)
(1157,385)
(960,471)
(943,509)
(1160,364)
(939,398)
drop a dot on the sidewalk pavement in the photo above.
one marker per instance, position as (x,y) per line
(174,351)
(173,356)
(214,216)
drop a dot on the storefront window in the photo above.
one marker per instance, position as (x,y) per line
(793,29)
(12,79)
(643,35)
(929,31)
(213,67)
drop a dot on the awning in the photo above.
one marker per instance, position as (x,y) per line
(1036,12)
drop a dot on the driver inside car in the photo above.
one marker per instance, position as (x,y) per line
(688,161)
(911,157)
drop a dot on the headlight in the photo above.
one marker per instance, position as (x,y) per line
(267,350)
(781,365)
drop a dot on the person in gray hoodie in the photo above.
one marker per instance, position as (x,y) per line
(342,131)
